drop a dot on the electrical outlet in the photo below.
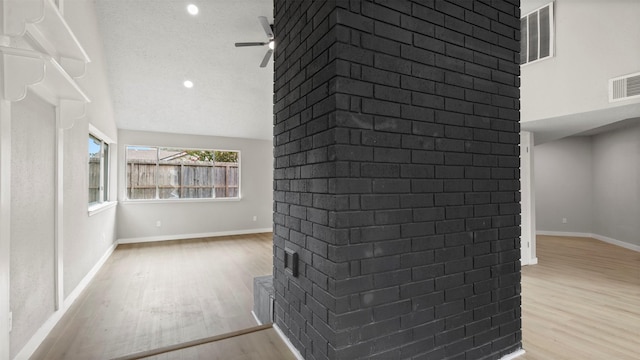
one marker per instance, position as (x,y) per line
(564,220)
(158,223)
(255,218)
(10,321)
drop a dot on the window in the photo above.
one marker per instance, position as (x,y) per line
(536,34)
(98,171)
(168,173)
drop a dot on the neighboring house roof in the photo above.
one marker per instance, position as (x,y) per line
(145,154)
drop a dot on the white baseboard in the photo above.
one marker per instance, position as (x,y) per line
(623,244)
(255,317)
(513,355)
(32,345)
(563,233)
(90,275)
(284,338)
(602,238)
(191,236)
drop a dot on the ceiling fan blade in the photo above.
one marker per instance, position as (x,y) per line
(240,44)
(266,26)
(267,56)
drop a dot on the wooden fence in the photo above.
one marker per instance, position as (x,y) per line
(191,180)
(94,179)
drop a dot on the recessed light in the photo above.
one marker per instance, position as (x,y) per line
(188,84)
(192,9)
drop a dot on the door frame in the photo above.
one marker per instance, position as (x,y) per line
(527,200)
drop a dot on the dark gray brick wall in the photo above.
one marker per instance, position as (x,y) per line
(396,178)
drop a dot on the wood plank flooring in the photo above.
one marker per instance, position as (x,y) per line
(157,294)
(582,301)
(260,345)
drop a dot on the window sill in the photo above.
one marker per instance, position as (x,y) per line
(98,208)
(173,201)
(537,60)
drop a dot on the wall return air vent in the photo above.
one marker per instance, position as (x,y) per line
(624,87)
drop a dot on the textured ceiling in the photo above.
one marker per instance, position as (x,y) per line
(153,46)
(581,124)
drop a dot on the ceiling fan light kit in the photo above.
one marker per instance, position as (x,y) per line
(268,29)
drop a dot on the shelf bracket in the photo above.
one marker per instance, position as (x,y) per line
(17,13)
(20,69)
(42,25)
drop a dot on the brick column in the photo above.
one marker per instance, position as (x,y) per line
(396,178)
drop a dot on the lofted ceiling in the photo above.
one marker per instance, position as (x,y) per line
(153,46)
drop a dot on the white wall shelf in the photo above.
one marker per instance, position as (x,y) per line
(24,69)
(43,25)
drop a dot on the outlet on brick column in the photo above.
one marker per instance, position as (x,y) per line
(291,262)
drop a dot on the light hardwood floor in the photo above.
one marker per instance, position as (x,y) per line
(582,301)
(157,294)
(259,345)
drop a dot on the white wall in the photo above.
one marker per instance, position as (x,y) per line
(595,41)
(563,185)
(594,182)
(35,218)
(616,184)
(33,133)
(87,238)
(180,219)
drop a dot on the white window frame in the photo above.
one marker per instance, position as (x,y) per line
(552,33)
(104,197)
(157,200)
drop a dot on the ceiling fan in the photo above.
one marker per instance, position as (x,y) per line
(268,29)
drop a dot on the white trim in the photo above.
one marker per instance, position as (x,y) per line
(513,355)
(123,192)
(527,200)
(256,318)
(59,213)
(177,200)
(94,130)
(284,338)
(602,238)
(563,233)
(104,195)
(538,60)
(191,236)
(537,9)
(100,207)
(92,273)
(552,33)
(36,340)
(5,224)
(612,241)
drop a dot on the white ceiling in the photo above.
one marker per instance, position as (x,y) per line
(153,46)
(581,124)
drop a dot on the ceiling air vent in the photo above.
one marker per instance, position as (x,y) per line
(624,87)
